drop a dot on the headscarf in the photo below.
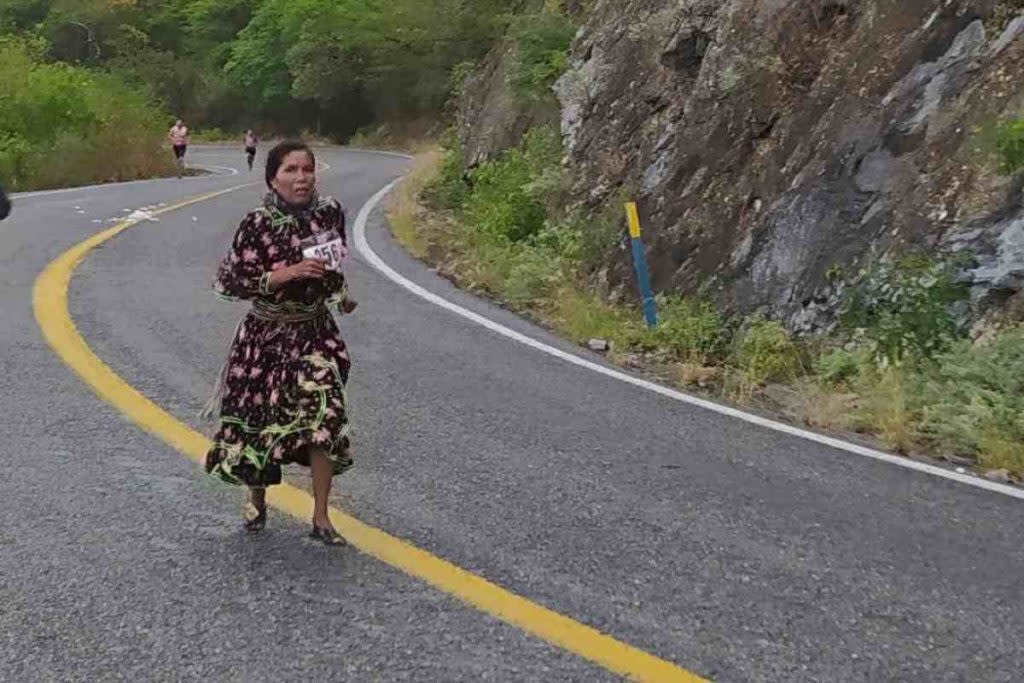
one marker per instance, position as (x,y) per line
(272,200)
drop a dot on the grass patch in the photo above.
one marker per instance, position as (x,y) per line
(406,213)
(885,407)
(764,352)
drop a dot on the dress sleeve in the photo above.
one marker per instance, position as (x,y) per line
(335,283)
(243,273)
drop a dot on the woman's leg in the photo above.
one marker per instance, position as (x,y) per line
(323,473)
(256,510)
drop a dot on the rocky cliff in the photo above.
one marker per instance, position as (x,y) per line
(773,143)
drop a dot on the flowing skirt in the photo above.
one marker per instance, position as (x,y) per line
(282,395)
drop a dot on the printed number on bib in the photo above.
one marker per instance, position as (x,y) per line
(331,252)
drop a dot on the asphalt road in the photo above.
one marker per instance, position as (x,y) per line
(738,553)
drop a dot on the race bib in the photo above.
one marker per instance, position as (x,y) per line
(324,248)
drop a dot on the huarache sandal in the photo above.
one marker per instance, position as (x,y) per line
(255,518)
(327,536)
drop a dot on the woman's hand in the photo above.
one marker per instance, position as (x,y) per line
(307,269)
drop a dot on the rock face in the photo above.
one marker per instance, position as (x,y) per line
(491,117)
(770,142)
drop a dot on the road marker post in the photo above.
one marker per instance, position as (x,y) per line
(643,277)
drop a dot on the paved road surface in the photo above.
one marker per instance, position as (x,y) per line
(738,553)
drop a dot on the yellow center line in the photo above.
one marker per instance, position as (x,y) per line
(50,303)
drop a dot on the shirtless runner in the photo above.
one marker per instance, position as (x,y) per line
(178,136)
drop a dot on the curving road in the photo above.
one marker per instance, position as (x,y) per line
(737,552)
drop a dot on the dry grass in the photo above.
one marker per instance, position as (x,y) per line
(825,408)
(697,375)
(1001,454)
(407,216)
(581,316)
(885,409)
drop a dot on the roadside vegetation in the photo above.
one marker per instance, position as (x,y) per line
(63,125)
(89,89)
(899,367)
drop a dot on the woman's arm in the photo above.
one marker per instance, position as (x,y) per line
(245,271)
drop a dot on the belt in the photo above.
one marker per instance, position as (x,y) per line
(283,314)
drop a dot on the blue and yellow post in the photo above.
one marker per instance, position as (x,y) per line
(643,277)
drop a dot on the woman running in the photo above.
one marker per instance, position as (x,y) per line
(251,140)
(178,135)
(282,391)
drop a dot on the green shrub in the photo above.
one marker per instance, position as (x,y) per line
(889,405)
(1010,146)
(214,135)
(766,353)
(542,42)
(508,197)
(448,190)
(836,367)
(588,235)
(975,401)
(693,330)
(582,315)
(63,125)
(904,308)
(535,272)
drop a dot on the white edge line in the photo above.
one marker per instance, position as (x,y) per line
(363,246)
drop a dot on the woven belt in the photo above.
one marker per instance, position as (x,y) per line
(277,314)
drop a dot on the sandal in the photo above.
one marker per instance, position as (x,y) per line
(327,536)
(255,518)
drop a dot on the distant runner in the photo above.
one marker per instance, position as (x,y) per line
(251,140)
(179,140)
(5,205)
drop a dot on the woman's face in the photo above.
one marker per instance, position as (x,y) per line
(296,178)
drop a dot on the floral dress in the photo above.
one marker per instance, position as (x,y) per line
(282,390)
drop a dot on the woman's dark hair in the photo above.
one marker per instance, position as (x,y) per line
(275,157)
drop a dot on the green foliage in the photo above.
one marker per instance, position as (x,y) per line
(534,273)
(838,367)
(448,189)
(764,352)
(66,125)
(582,315)
(693,330)
(975,400)
(904,308)
(507,197)
(279,65)
(597,232)
(542,42)
(459,75)
(1010,146)
(889,403)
